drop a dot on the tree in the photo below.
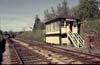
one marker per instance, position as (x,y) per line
(38,24)
(87,9)
(47,15)
(99,7)
(59,10)
(62,10)
(75,11)
(53,12)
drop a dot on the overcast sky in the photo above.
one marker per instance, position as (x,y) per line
(18,14)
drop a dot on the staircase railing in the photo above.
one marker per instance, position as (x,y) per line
(76,39)
(72,38)
(80,39)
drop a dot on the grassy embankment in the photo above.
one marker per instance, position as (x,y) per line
(38,35)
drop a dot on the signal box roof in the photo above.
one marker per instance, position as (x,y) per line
(61,19)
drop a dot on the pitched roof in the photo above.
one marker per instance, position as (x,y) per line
(59,18)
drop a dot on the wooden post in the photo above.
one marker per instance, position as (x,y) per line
(60,41)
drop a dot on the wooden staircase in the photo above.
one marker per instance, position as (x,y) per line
(76,39)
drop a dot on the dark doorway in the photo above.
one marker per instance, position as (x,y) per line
(79,28)
(71,24)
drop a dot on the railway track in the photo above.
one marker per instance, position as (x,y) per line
(67,56)
(22,55)
(76,56)
(14,57)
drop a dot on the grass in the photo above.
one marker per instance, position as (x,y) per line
(38,35)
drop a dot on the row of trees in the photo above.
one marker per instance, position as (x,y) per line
(61,11)
(86,9)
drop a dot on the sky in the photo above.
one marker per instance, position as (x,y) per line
(17,15)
